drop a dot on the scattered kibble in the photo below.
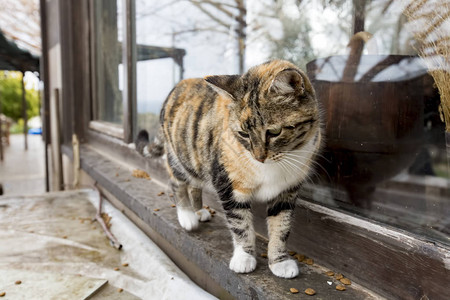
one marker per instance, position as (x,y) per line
(264,255)
(170,195)
(65,237)
(338,276)
(18,282)
(116,269)
(161,193)
(310,291)
(330,273)
(140,174)
(292,253)
(2,294)
(340,287)
(293,290)
(309,261)
(156,209)
(345,281)
(120,290)
(299,257)
(173,205)
(125,264)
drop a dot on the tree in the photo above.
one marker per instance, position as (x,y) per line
(11,96)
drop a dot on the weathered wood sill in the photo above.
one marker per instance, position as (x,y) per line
(387,261)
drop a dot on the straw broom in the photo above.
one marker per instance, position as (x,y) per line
(430,24)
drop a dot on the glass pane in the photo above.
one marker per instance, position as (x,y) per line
(379,70)
(175,40)
(108,61)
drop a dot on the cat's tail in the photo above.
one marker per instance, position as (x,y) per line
(147,149)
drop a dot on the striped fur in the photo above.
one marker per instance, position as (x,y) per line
(252,138)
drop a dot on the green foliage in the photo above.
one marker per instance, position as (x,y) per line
(17,127)
(11,96)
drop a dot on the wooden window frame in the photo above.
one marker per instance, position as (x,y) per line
(126,130)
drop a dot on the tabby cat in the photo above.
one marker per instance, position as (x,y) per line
(252,138)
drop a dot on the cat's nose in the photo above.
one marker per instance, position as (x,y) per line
(260,159)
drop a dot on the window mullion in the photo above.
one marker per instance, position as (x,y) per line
(129,61)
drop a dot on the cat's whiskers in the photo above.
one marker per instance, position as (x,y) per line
(307,152)
(285,168)
(314,163)
(311,171)
(294,163)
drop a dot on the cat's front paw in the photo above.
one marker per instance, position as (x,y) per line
(187,218)
(203,215)
(242,262)
(285,269)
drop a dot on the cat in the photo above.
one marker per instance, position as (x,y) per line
(252,137)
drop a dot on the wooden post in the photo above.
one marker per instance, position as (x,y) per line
(24,112)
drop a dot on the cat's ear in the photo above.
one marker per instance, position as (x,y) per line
(286,82)
(228,83)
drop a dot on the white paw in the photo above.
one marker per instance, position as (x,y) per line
(187,218)
(242,262)
(203,215)
(286,268)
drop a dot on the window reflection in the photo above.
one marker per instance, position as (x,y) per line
(108,61)
(385,154)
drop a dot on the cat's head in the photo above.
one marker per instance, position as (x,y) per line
(274,109)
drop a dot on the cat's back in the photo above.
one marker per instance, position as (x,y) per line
(190,120)
(192,91)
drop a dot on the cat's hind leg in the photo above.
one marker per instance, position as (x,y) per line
(195,195)
(187,217)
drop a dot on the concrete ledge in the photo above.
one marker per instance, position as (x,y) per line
(208,249)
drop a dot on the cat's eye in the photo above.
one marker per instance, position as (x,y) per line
(243,134)
(274,131)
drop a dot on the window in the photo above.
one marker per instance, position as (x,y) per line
(371,62)
(108,67)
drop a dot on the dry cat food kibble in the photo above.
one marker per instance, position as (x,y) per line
(310,291)
(140,174)
(338,276)
(292,253)
(18,282)
(173,205)
(340,287)
(264,255)
(116,269)
(309,261)
(345,281)
(2,294)
(125,264)
(299,257)
(330,273)
(161,193)
(156,209)
(293,290)
(120,290)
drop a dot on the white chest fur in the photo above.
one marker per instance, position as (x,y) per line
(276,177)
